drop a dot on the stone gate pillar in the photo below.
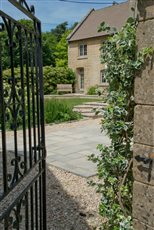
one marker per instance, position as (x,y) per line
(143,190)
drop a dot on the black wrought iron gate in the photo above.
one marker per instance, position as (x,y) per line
(22,136)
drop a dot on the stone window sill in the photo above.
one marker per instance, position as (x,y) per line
(104,84)
(82,57)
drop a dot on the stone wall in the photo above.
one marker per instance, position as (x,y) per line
(143,191)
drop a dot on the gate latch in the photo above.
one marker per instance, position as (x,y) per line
(147,160)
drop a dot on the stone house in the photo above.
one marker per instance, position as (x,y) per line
(85,41)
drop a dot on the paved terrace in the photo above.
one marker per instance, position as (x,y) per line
(69,144)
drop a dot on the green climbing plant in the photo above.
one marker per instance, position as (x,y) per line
(114,163)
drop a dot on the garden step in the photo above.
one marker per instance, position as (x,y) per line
(87,109)
(83,110)
(83,107)
(102,104)
(91,115)
(90,106)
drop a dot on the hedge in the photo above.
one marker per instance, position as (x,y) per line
(56,75)
(51,75)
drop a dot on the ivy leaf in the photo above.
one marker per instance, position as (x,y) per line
(104,27)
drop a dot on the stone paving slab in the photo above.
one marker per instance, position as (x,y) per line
(70,144)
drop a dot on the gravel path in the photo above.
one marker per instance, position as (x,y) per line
(71,203)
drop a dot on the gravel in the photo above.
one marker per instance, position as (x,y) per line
(71,203)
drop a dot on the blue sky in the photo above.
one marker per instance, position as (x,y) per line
(54,12)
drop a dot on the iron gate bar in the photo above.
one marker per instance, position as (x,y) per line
(4,15)
(8,205)
(29,11)
(23,98)
(2,118)
(34,126)
(42,143)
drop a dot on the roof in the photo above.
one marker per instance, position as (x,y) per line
(115,16)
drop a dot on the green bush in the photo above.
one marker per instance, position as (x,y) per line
(92,90)
(51,76)
(56,75)
(55,111)
(12,123)
(59,111)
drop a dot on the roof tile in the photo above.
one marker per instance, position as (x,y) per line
(115,16)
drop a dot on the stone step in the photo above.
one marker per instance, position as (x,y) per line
(92,115)
(89,106)
(83,110)
(83,107)
(87,109)
(96,104)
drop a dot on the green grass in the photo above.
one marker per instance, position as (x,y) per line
(76,101)
(59,110)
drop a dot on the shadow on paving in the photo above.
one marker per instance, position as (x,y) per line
(63,212)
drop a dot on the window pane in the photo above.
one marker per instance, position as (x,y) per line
(82,82)
(82,50)
(85,49)
(81,74)
(102,78)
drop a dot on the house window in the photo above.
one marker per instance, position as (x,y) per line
(102,77)
(82,50)
(81,78)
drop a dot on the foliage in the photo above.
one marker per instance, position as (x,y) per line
(48,48)
(27,23)
(114,164)
(61,53)
(59,30)
(92,90)
(56,75)
(5,46)
(59,111)
(54,45)
(73,26)
(10,121)
(51,75)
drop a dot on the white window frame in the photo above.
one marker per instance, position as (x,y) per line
(81,78)
(82,50)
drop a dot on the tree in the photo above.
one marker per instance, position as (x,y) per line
(4,42)
(59,30)
(61,53)
(73,26)
(27,23)
(48,48)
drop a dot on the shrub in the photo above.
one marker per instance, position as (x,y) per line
(92,90)
(56,75)
(58,111)
(54,110)
(11,122)
(51,76)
